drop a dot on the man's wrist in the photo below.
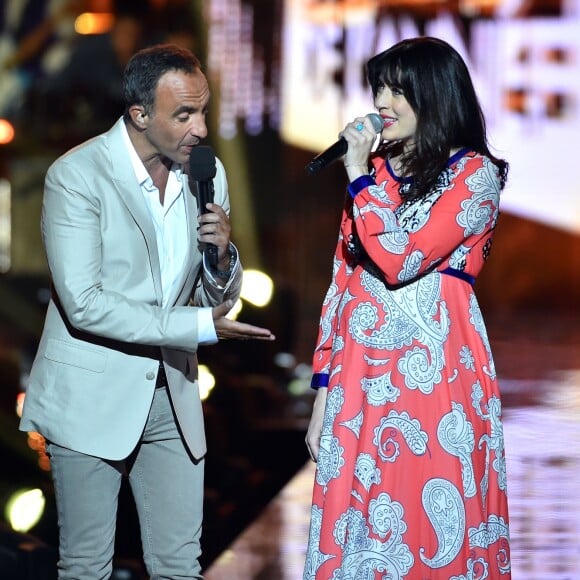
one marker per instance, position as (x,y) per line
(227,271)
(206,333)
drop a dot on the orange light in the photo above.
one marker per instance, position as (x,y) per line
(19,403)
(44,462)
(37,443)
(6,132)
(93,23)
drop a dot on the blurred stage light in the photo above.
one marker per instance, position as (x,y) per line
(6,132)
(285,360)
(5,224)
(20,403)
(24,509)
(37,443)
(93,23)
(257,288)
(206,381)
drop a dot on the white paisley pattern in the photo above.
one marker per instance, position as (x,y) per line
(444,507)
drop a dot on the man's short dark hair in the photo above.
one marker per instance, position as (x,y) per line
(147,66)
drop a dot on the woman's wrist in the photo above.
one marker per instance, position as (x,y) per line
(356,170)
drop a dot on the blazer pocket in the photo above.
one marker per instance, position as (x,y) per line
(75,355)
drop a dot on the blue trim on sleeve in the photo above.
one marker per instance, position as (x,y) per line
(319,380)
(356,186)
(459,274)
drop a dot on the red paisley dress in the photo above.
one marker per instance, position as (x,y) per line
(411,478)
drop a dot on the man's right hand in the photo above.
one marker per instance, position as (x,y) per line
(226,328)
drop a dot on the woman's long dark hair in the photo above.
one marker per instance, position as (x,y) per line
(438,87)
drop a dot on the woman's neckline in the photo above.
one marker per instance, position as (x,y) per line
(455,157)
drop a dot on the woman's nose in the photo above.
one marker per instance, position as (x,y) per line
(383,101)
(383,107)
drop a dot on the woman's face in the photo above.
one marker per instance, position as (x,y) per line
(400,121)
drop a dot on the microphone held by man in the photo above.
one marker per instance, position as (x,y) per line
(202,170)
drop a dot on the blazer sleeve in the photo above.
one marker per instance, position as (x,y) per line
(209,292)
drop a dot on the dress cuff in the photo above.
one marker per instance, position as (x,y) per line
(319,380)
(359,184)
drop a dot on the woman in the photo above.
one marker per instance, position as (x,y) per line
(406,426)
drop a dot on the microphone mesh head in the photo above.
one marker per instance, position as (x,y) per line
(376,121)
(202,163)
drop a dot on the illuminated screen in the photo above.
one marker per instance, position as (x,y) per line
(526,70)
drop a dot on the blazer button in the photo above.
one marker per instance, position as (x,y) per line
(150,376)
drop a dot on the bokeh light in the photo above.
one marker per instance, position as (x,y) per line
(6,132)
(25,508)
(206,381)
(257,288)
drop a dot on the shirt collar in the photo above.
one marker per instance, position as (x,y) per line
(141,173)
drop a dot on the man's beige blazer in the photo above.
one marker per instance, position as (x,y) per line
(93,378)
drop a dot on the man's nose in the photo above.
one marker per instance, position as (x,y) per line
(199,129)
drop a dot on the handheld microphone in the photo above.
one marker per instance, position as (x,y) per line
(202,170)
(339,148)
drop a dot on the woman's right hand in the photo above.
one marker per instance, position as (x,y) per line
(360,136)
(315,427)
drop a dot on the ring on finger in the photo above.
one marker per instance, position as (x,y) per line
(360,127)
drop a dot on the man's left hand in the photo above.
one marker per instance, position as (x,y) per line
(214,228)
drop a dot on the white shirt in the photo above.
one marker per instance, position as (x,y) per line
(171,231)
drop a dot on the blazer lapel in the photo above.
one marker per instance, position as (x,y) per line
(130,192)
(192,249)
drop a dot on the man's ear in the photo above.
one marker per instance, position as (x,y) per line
(138,116)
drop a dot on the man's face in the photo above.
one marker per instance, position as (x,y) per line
(176,123)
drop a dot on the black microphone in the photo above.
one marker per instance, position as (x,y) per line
(202,170)
(337,150)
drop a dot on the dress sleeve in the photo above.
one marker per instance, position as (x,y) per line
(408,240)
(341,270)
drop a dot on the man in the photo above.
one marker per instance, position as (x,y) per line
(113,387)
